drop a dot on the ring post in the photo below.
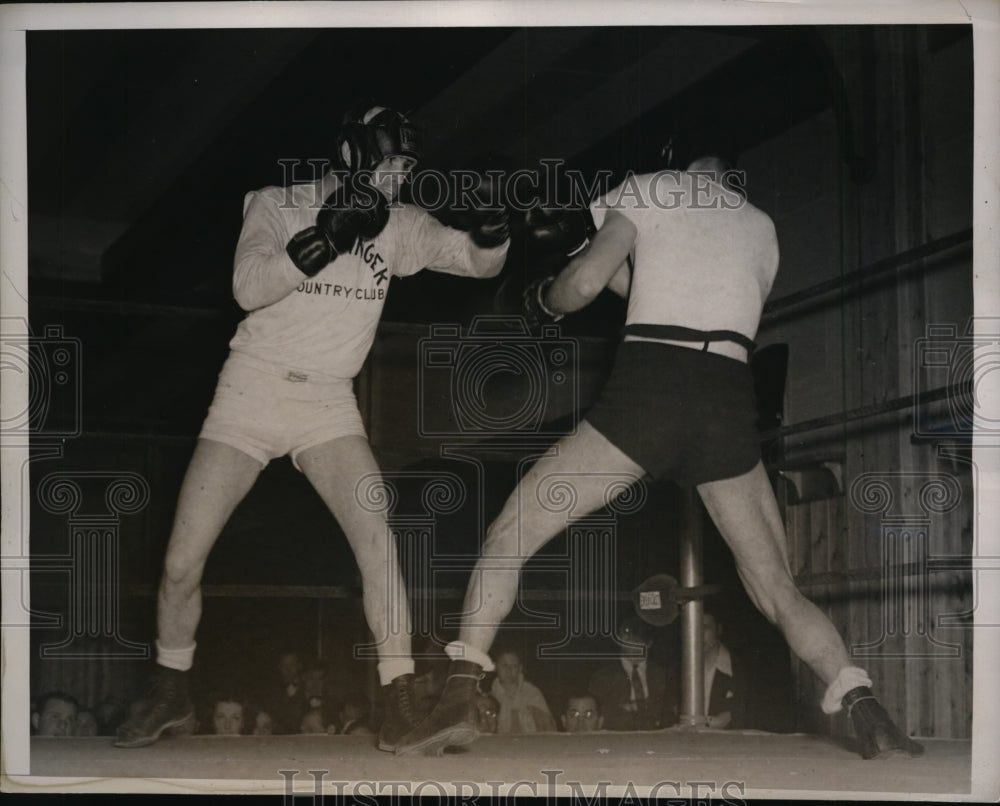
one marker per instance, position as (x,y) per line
(692,710)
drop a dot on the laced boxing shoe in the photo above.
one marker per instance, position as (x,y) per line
(400,712)
(452,722)
(877,733)
(170,705)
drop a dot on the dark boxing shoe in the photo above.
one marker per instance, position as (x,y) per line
(452,722)
(400,712)
(877,733)
(170,705)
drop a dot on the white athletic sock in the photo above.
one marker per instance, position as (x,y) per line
(848,678)
(457,650)
(179,659)
(389,670)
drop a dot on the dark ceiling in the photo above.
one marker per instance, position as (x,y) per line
(142,144)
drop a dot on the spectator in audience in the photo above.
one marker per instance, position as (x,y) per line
(262,724)
(353,714)
(634,692)
(288,703)
(109,715)
(522,706)
(227,717)
(487,713)
(724,696)
(55,714)
(314,721)
(360,729)
(86,724)
(582,714)
(314,684)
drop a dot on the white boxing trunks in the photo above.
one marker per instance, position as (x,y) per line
(267,411)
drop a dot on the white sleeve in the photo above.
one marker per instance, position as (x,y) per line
(263,272)
(432,245)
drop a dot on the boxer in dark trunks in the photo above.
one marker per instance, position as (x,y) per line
(696,262)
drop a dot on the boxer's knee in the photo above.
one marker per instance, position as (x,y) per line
(182,572)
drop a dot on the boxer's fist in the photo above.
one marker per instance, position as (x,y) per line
(492,231)
(477,207)
(562,231)
(310,251)
(347,214)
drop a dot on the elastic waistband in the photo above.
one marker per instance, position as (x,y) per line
(286,373)
(676,333)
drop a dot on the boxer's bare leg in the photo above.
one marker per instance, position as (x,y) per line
(746,513)
(583,473)
(340,470)
(584,467)
(217,479)
(335,469)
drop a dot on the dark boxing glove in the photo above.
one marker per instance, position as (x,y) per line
(370,203)
(345,217)
(492,231)
(563,231)
(479,209)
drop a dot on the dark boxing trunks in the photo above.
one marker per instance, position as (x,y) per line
(680,413)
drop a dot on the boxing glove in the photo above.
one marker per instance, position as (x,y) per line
(492,230)
(558,231)
(477,208)
(345,217)
(363,197)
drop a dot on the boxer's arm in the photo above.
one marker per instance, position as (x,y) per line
(586,275)
(621,280)
(263,273)
(452,251)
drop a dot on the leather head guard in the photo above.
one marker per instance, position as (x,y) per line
(368,137)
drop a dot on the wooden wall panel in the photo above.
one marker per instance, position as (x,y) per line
(923,675)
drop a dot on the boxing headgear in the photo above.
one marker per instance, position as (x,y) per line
(368,138)
(709,139)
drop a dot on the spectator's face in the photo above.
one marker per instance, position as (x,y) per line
(57,718)
(509,669)
(312,722)
(263,725)
(581,715)
(312,683)
(486,715)
(711,633)
(86,724)
(228,719)
(290,667)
